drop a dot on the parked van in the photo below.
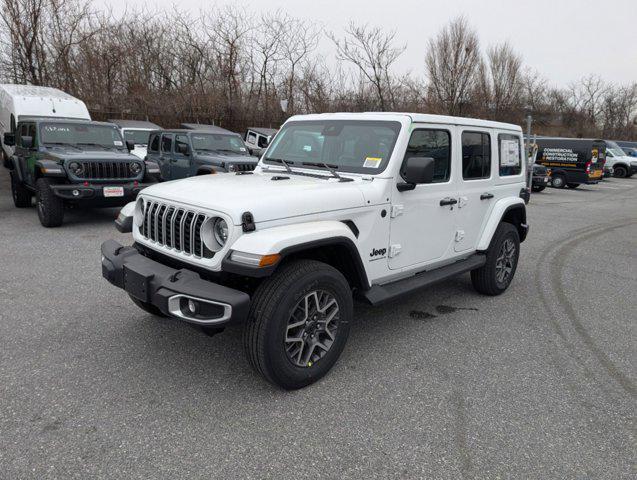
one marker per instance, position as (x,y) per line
(136,132)
(572,161)
(257,139)
(21,101)
(623,165)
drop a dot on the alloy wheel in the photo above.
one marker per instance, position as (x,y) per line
(505,262)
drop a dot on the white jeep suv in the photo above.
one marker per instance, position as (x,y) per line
(366,206)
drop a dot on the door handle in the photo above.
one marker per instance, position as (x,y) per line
(486,196)
(448,201)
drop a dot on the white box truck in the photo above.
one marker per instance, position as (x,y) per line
(20,101)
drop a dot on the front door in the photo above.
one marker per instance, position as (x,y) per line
(476,191)
(165,156)
(423,219)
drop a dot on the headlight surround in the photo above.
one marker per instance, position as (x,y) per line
(231,167)
(135,168)
(215,233)
(76,168)
(138,214)
(221,231)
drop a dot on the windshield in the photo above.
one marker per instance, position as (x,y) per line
(614,149)
(348,145)
(81,134)
(218,143)
(138,137)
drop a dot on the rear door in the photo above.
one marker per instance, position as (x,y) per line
(153,150)
(166,155)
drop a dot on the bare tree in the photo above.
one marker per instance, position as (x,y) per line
(500,83)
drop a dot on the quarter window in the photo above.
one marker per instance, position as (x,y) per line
(154,143)
(435,144)
(476,155)
(166,143)
(510,152)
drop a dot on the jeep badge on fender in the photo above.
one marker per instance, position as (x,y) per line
(315,200)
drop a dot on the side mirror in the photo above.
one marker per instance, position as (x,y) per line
(416,170)
(183,149)
(9,139)
(26,142)
(130,145)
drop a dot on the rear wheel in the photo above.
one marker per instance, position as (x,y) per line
(147,307)
(21,195)
(50,207)
(298,324)
(558,181)
(620,171)
(572,185)
(502,260)
(538,188)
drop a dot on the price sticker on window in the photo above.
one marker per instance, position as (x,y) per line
(372,162)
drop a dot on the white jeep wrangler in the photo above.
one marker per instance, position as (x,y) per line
(367,206)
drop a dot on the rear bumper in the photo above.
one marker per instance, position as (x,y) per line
(96,192)
(171,290)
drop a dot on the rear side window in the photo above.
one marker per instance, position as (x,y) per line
(180,140)
(435,144)
(153,146)
(263,141)
(510,152)
(476,155)
(166,143)
(252,138)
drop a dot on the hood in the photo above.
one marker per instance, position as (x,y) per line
(70,153)
(257,193)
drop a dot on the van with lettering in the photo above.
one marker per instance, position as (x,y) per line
(572,161)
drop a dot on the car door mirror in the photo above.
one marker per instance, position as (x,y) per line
(183,149)
(416,170)
(9,139)
(26,142)
(130,145)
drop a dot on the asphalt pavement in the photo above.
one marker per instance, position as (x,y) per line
(540,382)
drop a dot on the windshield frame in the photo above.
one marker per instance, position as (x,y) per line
(75,144)
(392,124)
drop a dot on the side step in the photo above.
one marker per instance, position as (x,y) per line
(380,294)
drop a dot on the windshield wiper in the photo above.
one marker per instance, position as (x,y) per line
(64,144)
(282,162)
(330,168)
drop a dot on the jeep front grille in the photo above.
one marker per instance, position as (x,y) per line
(176,228)
(106,171)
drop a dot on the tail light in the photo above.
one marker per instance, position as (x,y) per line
(588,167)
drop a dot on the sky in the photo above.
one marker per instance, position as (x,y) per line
(564,40)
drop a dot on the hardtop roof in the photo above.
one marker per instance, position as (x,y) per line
(30,118)
(263,131)
(123,123)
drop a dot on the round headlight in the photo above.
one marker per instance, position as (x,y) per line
(138,215)
(220,230)
(75,168)
(231,167)
(135,168)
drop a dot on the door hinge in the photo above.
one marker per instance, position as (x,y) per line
(394,250)
(459,235)
(396,210)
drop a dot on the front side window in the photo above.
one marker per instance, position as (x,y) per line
(476,155)
(79,134)
(181,140)
(510,152)
(355,146)
(435,144)
(213,142)
(166,143)
(263,141)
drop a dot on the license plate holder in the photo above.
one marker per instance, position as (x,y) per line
(113,191)
(137,283)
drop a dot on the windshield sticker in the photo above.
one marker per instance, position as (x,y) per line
(372,162)
(242,149)
(117,143)
(54,128)
(307,148)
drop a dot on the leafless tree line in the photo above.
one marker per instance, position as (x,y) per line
(233,69)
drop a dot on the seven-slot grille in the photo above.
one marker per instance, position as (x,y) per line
(106,170)
(175,227)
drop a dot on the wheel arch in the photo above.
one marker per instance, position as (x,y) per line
(511,211)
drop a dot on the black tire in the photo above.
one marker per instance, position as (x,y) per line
(150,178)
(538,188)
(273,313)
(485,279)
(21,195)
(147,307)
(620,171)
(572,185)
(558,181)
(50,208)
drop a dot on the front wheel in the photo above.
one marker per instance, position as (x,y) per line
(502,260)
(50,207)
(298,324)
(21,196)
(620,171)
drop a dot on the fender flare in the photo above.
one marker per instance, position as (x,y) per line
(49,168)
(500,209)
(207,169)
(291,239)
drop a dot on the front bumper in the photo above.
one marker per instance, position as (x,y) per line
(93,191)
(541,180)
(172,290)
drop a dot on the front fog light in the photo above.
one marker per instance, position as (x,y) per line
(220,230)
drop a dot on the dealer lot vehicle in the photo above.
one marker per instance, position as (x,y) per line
(72,162)
(371,206)
(186,153)
(572,161)
(257,139)
(623,165)
(541,178)
(21,101)
(629,148)
(136,132)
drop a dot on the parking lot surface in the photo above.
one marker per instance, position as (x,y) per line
(537,383)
